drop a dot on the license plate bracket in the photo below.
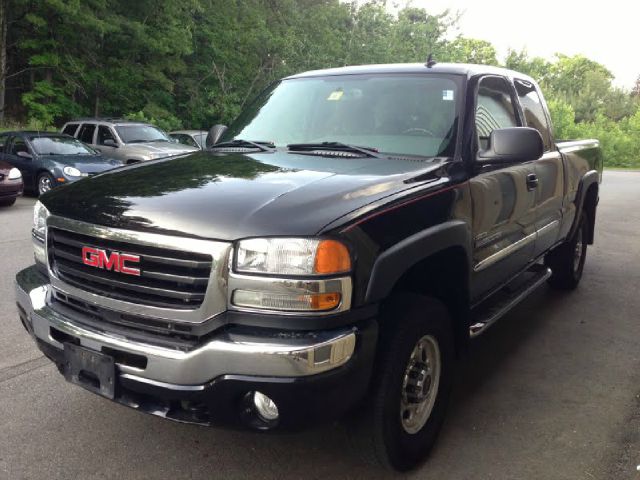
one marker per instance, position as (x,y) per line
(89,369)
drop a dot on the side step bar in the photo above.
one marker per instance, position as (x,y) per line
(507,298)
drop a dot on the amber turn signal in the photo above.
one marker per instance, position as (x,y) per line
(325,301)
(331,257)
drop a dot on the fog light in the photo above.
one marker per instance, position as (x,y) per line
(265,407)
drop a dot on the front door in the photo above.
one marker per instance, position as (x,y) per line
(26,165)
(503,197)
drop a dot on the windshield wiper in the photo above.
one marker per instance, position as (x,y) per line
(238,142)
(334,146)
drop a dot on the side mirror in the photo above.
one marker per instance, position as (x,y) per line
(214,135)
(109,142)
(24,154)
(510,145)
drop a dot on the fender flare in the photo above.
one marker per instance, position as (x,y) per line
(398,259)
(588,179)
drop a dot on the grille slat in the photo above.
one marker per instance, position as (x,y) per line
(168,278)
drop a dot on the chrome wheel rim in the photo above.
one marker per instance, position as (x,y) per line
(577,251)
(44,184)
(420,384)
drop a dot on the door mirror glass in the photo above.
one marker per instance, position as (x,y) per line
(214,135)
(511,145)
(24,154)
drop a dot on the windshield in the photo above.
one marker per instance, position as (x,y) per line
(141,133)
(59,146)
(401,114)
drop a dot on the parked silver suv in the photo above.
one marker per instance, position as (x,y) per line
(124,140)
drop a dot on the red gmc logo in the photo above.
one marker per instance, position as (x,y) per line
(116,261)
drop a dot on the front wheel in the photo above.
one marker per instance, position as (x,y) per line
(45,183)
(567,261)
(403,414)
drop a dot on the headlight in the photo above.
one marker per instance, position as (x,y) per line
(40,214)
(14,174)
(73,172)
(292,256)
(323,265)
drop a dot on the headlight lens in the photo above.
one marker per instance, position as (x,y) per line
(14,174)
(40,214)
(73,172)
(292,256)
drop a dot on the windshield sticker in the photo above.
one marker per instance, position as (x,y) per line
(335,96)
(447,95)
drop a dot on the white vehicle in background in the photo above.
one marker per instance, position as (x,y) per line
(129,141)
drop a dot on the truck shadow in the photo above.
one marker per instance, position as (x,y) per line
(325,452)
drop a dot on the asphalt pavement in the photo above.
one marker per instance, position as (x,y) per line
(551,392)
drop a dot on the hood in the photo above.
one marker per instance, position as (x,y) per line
(160,148)
(231,196)
(84,163)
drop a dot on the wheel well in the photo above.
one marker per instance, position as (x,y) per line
(590,204)
(132,161)
(445,276)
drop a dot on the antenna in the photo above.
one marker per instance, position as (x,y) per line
(430,61)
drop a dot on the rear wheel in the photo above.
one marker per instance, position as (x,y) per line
(567,261)
(7,203)
(44,183)
(401,418)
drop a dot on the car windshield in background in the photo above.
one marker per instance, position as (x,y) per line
(399,114)
(141,133)
(59,146)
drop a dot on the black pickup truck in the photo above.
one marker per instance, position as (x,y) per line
(330,254)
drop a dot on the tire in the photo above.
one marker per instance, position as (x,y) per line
(382,432)
(44,183)
(7,203)
(567,261)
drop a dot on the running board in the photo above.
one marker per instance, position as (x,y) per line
(511,295)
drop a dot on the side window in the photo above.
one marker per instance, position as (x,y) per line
(70,129)
(494,108)
(86,133)
(104,133)
(533,110)
(18,145)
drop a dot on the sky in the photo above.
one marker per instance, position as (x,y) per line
(605,31)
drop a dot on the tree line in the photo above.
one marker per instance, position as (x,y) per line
(193,63)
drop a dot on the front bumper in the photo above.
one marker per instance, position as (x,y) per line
(311,376)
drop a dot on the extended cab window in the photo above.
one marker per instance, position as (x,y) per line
(533,110)
(494,108)
(86,133)
(399,114)
(70,129)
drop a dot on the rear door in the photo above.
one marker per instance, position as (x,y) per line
(549,169)
(86,133)
(502,198)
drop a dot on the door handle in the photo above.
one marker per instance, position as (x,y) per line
(532,181)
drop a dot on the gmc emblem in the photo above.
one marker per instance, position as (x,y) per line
(116,261)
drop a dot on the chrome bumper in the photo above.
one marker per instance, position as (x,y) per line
(226,354)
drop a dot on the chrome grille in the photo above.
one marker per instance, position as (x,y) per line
(169,278)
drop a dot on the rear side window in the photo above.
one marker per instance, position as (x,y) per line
(533,110)
(494,108)
(86,133)
(70,129)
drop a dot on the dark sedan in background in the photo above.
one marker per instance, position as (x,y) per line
(10,184)
(47,160)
